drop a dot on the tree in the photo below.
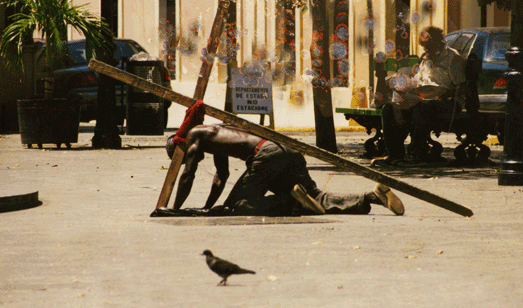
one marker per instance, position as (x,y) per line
(51,19)
(106,132)
(323,115)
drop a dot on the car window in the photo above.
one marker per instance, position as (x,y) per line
(449,38)
(466,49)
(77,53)
(60,62)
(479,45)
(127,49)
(498,46)
(461,42)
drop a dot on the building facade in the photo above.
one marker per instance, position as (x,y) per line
(278,34)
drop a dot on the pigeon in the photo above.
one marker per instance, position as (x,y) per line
(223,268)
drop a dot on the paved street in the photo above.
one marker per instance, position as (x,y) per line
(91,243)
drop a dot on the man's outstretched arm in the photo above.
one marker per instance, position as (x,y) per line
(193,157)
(220,178)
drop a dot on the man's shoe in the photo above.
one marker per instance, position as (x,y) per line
(300,194)
(389,199)
(384,161)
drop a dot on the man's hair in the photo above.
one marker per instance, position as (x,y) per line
(435,33)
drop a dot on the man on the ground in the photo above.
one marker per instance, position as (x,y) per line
(270,167)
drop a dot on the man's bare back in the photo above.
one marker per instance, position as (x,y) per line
(222,140)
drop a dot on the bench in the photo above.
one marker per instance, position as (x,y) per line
(472,123)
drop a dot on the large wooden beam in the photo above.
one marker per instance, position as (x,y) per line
(280,138)
(199,93)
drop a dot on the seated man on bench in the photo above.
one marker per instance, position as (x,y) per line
(270,167)
(420,98)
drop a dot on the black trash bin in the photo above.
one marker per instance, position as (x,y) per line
(48,121)
(145,111)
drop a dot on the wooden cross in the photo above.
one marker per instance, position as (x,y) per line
(272,135)
(199,93)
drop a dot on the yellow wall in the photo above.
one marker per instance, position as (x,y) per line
(470,14)
(92,7)
(497,17)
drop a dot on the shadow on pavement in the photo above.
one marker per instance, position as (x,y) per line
(19,207)
(451,168)
(90,148)
(240,220)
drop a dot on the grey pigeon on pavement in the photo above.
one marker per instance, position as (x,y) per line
(223,268)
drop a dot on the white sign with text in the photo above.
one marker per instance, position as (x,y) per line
(251,91)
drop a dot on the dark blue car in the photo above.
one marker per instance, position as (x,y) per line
(74,79)
(490,45)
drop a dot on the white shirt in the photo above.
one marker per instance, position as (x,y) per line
(446,69)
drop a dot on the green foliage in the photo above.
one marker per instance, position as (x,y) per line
(51,18)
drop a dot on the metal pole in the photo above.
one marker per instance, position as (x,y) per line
(511,172)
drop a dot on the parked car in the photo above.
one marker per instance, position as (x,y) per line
(490,45)
(74,79)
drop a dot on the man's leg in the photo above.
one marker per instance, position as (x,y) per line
(263,170)
(336,203)
(395,131)
(425,117)
(295,179)
(297,173)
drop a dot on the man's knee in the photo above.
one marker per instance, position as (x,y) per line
(243,207)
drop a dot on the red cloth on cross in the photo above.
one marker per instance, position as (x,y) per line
(193,117)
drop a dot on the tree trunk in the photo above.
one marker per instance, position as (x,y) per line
(323,115)
(231,43)
(49,77)
(106,132)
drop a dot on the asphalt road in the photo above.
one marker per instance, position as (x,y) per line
(91,243)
